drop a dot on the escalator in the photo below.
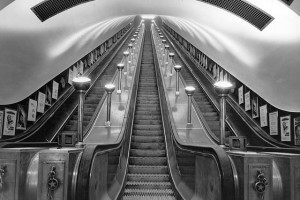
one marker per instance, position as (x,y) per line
(205,105)
(207,101)
(65,118)
(148,172)
(93,97)
(147,161)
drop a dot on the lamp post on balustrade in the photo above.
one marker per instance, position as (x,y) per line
(109,88)
(177,69)
(81,84)
(171,56)
(223,88)
(125,54)
(167,48)
(130,52)
(120,67)
(189,90)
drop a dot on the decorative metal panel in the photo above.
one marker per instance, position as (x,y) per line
(248,12)
(49,8)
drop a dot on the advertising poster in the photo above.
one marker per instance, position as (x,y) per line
(263,111)
(221,75)
(241,95)
(218,73)
(81,67)
(215,71)
(48,99)
(62,82)
(21,118)
(285,128)
(91,58)
(79,70)
(70,76)
(32,107)
(226,77)
(255,111)
(201,58)
(210,67)
(1,123)
(55,90)
(75,72)
(41,102)
(273,121)
(247,101)
(9,126)
(297,131)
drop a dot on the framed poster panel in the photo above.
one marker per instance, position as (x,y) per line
(263,111)
(247,101)
(21,118)
(41,102)
(285,128)
(32,108)
(75,72)
(297,130)
(218,73)
(226,77)
(241,94)
(70,76)
(81,67)
(214,71)
(221,75)
(273,121)
(1,123)
(79,70)
(210,67)
(255,112)
(9,127)
(55,90)
(201,58)
(48,99)
(62,82)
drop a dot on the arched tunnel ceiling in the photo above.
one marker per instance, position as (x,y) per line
(33,52)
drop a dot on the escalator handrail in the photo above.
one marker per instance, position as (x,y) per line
(218,153)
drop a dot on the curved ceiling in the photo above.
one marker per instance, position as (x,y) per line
(33,52)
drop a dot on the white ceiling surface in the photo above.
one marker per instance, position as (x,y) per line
(33,52)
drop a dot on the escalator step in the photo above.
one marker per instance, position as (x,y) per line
(148,117)
(147,127)
(147,122)
(148,185)
(142,169)
(147,153)
(148,192)
(148,177)
(156,161)
(153,139)
(139,145)
(147,133)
